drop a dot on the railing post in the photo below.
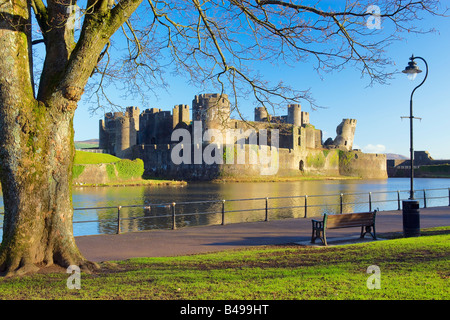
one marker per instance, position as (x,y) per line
(118,219)
(398,199)
(223,212)
(449,197)
(306,206)
(174,224)
(341,201)
(370,201)
(267,210)
(424,199)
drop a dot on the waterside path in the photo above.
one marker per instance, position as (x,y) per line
(202,239)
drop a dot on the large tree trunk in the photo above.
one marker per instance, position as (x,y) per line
(36,130)
(37,192)
(36,155)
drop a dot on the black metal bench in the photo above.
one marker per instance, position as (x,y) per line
(364,220)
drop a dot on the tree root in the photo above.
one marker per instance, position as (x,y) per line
(21,266)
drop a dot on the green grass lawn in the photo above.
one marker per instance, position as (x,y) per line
(84,157)
(410,268)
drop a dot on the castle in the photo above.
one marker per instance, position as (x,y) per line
(300,150)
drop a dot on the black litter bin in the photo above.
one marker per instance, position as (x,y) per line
(411,218)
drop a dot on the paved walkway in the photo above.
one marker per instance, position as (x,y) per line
(192,240)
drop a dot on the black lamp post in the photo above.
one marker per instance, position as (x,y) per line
(411,218)
(412,70)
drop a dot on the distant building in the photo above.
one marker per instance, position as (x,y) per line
(402,167)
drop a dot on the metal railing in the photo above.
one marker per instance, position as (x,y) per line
(304,206)
(339,204)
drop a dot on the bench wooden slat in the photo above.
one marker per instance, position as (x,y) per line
(349,220)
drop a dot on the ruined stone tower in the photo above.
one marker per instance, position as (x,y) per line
(345,134)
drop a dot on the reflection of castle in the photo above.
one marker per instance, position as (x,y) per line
(147,135)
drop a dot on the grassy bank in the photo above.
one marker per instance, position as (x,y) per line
(412,268)
(136,182)
(121,172)
(84,157)
(282,179)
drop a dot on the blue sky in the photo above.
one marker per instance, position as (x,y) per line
(378,109)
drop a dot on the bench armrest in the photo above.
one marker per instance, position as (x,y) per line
(317,224)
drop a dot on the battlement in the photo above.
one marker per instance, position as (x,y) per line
(351,122)
(295,116)
(294,106)
(210,96)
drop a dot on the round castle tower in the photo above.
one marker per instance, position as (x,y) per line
(212,109)
(127,126)
(294,114)
(261,114)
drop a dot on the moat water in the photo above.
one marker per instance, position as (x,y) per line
(323,196)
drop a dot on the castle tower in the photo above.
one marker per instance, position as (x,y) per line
(261,114)
(155,126)
(345,134)
(126,129)
(294,114)
(103,135)
(132,113)
(212,109)
(122,140)
(180,114)
(107,131)
(305,117)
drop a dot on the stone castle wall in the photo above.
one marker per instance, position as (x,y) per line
(290,163)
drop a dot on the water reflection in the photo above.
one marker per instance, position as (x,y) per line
(154,208)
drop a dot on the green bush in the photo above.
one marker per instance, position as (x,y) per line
(441,168)
(128,169)
(111,171)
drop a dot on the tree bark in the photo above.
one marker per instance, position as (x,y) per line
(36,129)
(36,157)
(37,194)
